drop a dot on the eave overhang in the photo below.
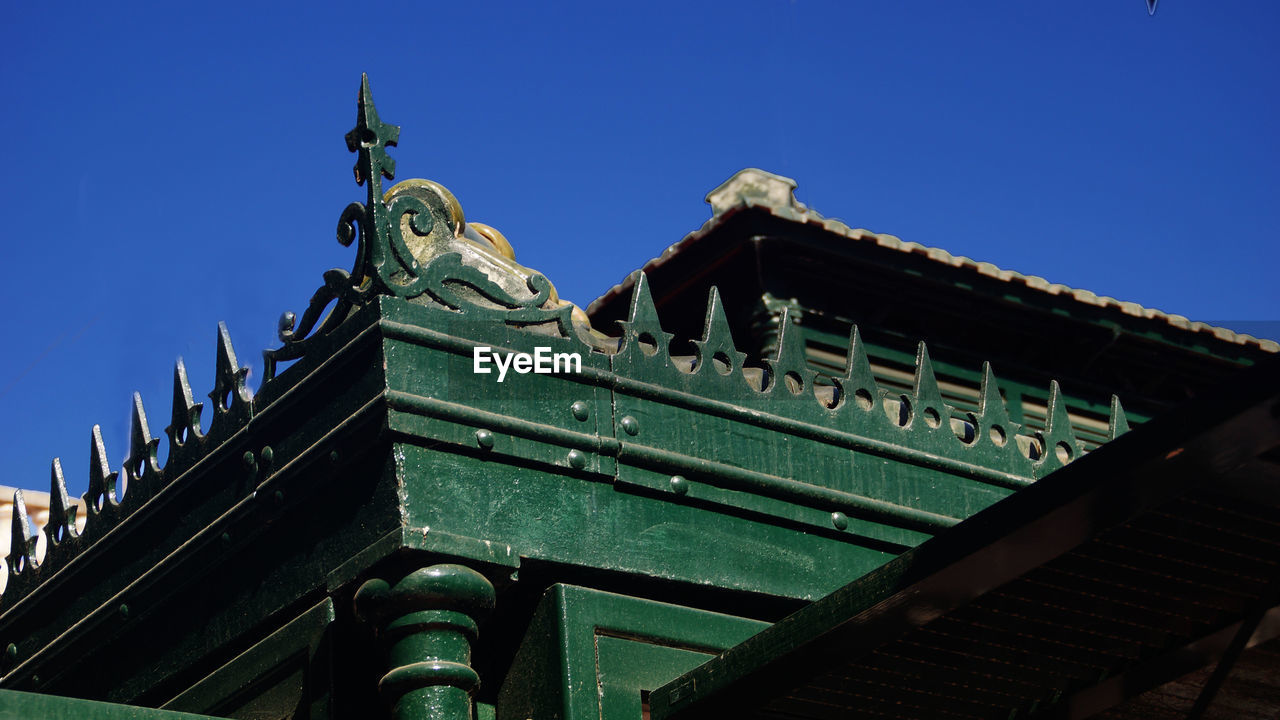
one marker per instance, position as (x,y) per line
(1152,556)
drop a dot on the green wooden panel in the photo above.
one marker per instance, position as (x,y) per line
(285,675)
(583,519)
(591,655)
(628,669)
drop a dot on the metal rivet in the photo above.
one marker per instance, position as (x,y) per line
(679,485)
(840,520)
(630,425)
(226,538)
(580,410)
(249,460)
(484,439)
(268,454)
(333,456)
(577,459)
(124,610)
(11,652)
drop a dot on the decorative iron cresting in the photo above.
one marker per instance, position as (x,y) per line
(785,395)
(114,495)
(414,244)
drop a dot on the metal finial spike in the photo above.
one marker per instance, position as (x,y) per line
(21,542)
(642,316)
(790,362)
(1151,6)
(1119,423)
(142,446)
(370,138)
(642,333)
(925,387)
(994,431)
(857,372)
(642,309)
(714,323)
(139,431)
(791,354)
(185,421)
(229,388)
(991,403)
(102,482)
(62,514)
(1056,416)
(1059,440)
(717,345)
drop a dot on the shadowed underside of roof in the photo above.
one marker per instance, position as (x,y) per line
(1152,557)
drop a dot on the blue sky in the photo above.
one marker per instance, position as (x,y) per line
(170,168)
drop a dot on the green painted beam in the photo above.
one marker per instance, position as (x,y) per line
(16,705)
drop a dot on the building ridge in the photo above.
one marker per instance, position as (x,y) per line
(752,188)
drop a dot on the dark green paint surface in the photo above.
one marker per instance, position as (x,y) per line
(590,654)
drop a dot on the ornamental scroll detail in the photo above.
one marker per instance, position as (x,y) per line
(414,243)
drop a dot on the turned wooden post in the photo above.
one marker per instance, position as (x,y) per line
(427,622)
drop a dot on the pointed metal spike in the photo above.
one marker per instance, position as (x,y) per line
(1056,416)
(791,355)
(142,446)
(642,310)
(790,363)
(229,390)
(717,339)
(1058,427)
(102,482)
(715,324)
(928,398)
(1119,423)
(21,541)
(995,430)
(185,422)
(642,333)
(857,372)
(991,403)
(642,319)
(926,382)
(370,138)
(139,431)
(62,514)
(226,351)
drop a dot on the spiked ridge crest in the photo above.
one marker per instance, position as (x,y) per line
(62,514)
(716,348)
(106,503)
